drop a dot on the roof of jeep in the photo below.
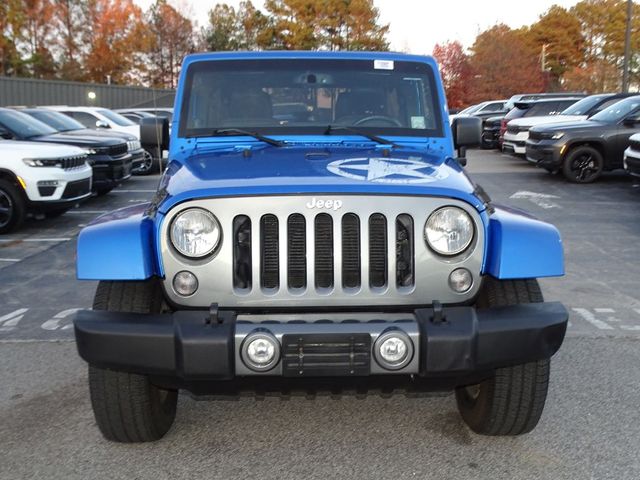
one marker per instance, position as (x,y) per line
(304,54)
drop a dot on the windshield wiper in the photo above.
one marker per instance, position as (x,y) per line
(374,138)
(257,136)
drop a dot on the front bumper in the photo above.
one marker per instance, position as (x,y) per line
(544,154)
(137,157)
(196,346)
(109,171)
(632,162)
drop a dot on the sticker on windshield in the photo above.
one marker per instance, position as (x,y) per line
(387,170)
(383,64)
(418,122)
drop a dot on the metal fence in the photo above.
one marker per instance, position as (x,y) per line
(31,92)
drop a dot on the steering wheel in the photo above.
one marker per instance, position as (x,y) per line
(378,118)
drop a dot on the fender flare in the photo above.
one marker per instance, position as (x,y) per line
(521,246)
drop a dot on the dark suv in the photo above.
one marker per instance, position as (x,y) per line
(108,157)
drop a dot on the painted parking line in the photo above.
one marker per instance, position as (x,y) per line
(10,260)
(591,318)
(87,212)
(133,191)
(10,321)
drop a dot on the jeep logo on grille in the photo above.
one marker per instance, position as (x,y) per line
(324,204)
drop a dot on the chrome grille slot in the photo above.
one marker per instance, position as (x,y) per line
(351,251)
(269,252)
(296,251)
(377,250)
(242,278)
(405,248)
(323,263)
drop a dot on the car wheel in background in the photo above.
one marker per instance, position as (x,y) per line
(583,165)
(12,207)
(146,166)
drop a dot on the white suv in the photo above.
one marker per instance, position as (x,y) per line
(40,178)
(97,117)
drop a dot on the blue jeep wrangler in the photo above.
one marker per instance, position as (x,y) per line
(315,231)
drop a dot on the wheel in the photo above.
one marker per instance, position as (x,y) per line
(146,166)
(511,401)
(127,406)
(583,165)
(13,208)
(56,213)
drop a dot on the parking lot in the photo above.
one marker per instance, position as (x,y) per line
(590,428)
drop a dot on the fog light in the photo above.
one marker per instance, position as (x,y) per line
(460,280)
(393,349)
(48,183)
(185,283)
(260,351)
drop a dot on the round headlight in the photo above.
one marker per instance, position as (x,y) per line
(449,231)
(195,233)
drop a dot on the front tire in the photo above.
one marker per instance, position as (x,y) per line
(127,406)
(583,164)
(13,209)
(512,400)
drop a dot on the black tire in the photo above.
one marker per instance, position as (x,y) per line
(13,207)
(128,407)
(583,164)
(512,400)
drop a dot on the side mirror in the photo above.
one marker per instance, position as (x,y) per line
(102,124)
(631,121)
(467,132)
(154,132)
(6,134)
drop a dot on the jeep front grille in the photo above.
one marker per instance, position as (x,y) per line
(321,260)
(284,251)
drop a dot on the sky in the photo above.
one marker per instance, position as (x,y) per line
(417,25)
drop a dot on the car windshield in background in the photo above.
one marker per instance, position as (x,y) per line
(305,96)
(116,118)
(617,111)
(583,106)
(23,125)
(57,120)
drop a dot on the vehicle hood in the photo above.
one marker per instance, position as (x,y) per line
(37,149)
(546,120)
(581,125)
(87,132)
(128,129)
(323,171)
(79,140)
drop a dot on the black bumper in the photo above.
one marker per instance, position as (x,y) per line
(137,157)
(544,155)
(110,172)
(188,346)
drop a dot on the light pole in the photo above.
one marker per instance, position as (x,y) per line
(627,48)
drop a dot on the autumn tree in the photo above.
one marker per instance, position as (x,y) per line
(504,64)
(558,34)
(116,37)
(456,72)
(170,39)
(36,37)
(246,28)
(69,16)
(11,20)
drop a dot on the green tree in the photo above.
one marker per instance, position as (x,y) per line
(11,21)
(37,37)
(70,18)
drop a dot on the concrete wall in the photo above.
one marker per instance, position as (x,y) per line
(32,92)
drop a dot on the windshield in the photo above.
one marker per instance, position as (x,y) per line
(471,109)
(23,125)
(583,106)
(305,96)
(116,118)
(617,111)
(57,120)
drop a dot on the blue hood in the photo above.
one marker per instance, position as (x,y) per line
(321,169)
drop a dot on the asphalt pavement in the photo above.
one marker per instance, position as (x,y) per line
(590,428)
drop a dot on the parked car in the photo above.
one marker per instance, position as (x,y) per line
(135,117)
(514,137)
(484,110)
(164,112)
(108,157)
(584,150)
(339,250)
(141,160)
(491,132)
(528,97)
(632,156)
(518,129)
(40,178)
(96,117)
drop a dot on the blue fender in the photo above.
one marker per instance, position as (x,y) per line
(521,246)
(118,246)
